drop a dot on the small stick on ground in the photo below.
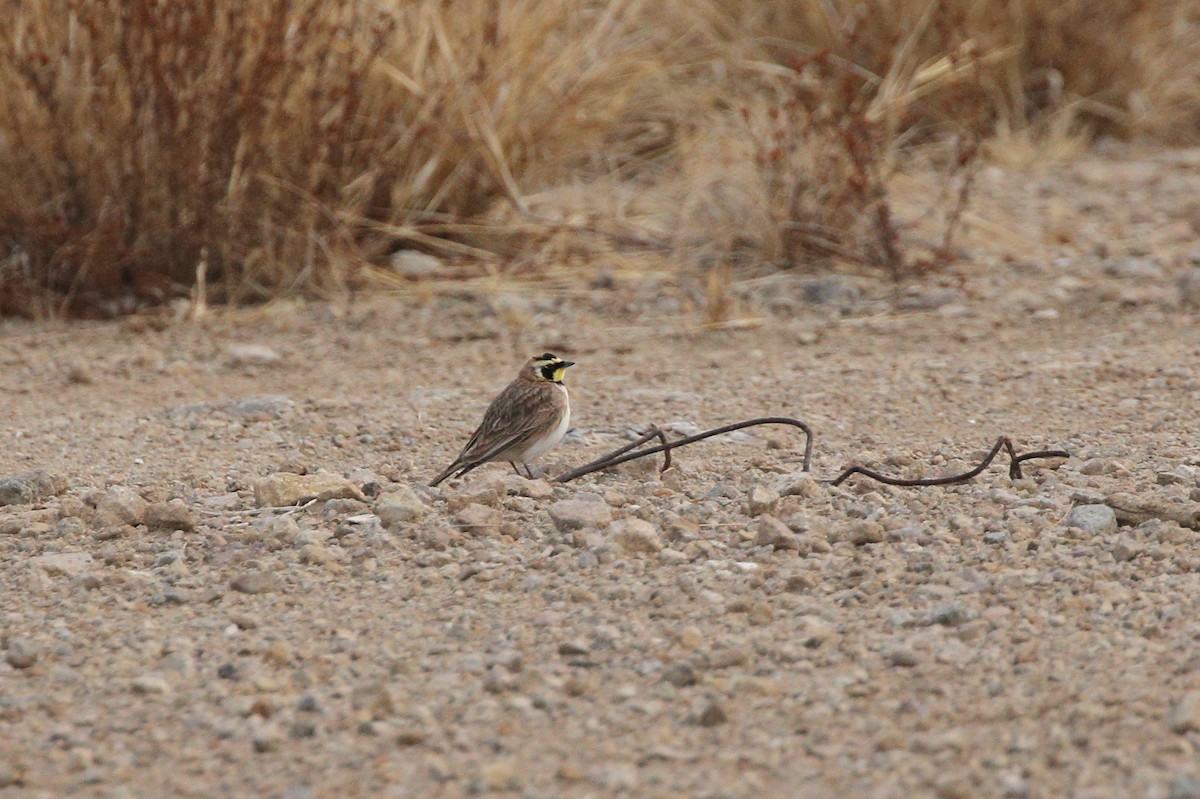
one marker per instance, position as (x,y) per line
(1014,468)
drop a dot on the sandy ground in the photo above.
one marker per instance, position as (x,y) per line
(727,629)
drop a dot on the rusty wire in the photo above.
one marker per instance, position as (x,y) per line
(631,452)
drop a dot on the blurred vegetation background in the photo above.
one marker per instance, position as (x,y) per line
(230,151)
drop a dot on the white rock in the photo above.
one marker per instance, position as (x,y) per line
(67,564)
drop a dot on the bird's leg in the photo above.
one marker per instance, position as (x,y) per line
(528,472)
(515,469)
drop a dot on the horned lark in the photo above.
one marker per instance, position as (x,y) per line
(523,423)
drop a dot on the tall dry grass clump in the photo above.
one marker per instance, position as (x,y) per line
(238,150)
(795,164)
(250,149)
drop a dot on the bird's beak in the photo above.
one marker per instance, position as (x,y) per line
(565,364)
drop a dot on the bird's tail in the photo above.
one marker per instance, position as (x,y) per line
(457,469)
(451,469)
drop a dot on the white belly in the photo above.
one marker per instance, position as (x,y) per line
(541,446)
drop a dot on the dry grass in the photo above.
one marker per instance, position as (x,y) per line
(229,151)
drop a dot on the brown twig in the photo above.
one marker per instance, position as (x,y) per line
(1014,468)
(623,454)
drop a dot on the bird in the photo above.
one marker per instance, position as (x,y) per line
(525,421)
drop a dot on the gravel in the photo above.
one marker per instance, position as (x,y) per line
(732,627)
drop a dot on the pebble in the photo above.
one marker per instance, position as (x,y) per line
(833,289)
(21,653)
(680,675)
(579,514)
(770,532)
(859,532)
(1184,716)
(950,614)
(814,631)
(414,264)
(267,738)
(12,772)
(266,408)
(120,505)
(535,489)
(798,484)
(1184,788)
(152,683)
(286,489)
(573,647)
(374,700)
(252,354)
(255,582)
(400,506)
(901,656)
(761,500)
(1096,520)
(1126,549)
(1189,287)
(477,519)
(66,564)
(634,535)
(710,713)
(172,515)
(27,488)
(500,775)
(1132,268)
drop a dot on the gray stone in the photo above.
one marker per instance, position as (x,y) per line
(634,535)
(1097,520)
(1184,788)
(814,631)
(1132,268)
(21,653)
(173,515)
(1189,287)
(251,354)
(770,532)
(574,647)
(65,564)
(254,582)
(680,675)
(579,514)
(266,408)
(1126,549)
(374,701)
(837,290)
(476,519)
(860,532)
(901,656)
(285,489)
(711,713)
(535,489)
(29,487)
(798,484)
(950,614)
(402,506)
(414,264)
(120,505)
(761,500)
(1184,716)
(152,683)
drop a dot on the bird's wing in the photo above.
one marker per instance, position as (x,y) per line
(516,415)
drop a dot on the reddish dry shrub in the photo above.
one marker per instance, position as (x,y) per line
(278,145)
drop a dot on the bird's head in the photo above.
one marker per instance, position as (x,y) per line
(547,366)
